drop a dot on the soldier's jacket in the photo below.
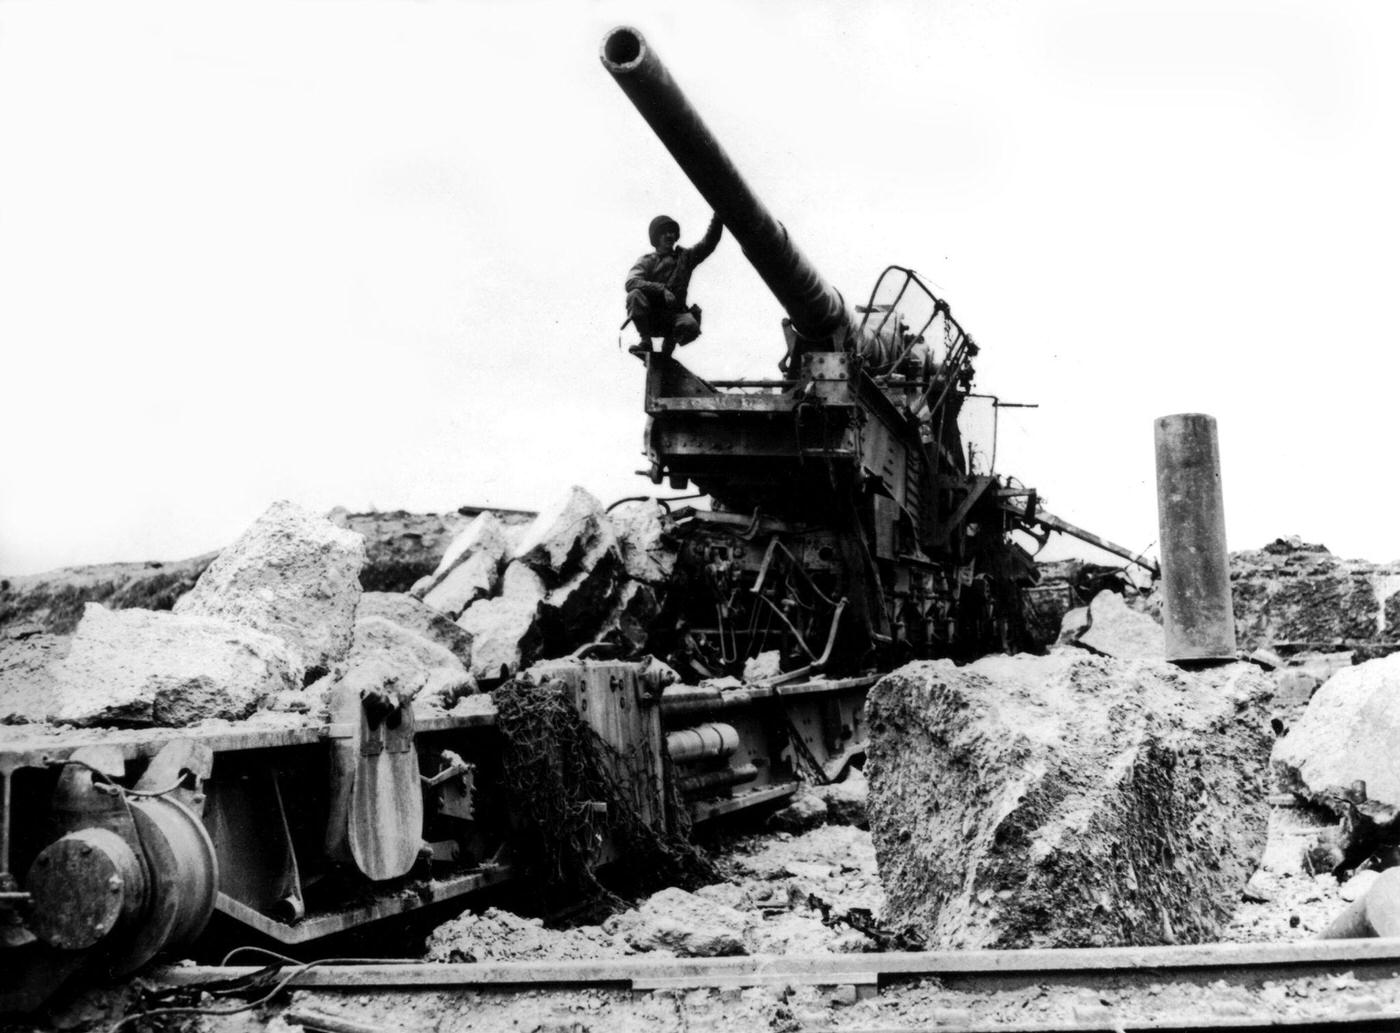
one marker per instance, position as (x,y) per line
(654,273)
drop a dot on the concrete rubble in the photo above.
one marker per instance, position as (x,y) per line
(26,683)
(647,555)
(292,574)
(574,576)
(685,924)
(1296,596)
(505,628)
(470,569)
(425,670)
(1111,628)
(1340,752)
(410,613)
(1066,801)
(144,667)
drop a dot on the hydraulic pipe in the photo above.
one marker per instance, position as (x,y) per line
(1196,606)
(816,308)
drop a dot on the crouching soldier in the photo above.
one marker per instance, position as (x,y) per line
(657,286)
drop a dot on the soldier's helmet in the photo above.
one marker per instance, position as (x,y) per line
(660,223)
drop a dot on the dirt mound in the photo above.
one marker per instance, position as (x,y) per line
(1064,801)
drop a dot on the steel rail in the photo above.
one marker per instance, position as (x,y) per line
(1008,967)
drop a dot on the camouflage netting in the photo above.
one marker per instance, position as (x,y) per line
(566,802)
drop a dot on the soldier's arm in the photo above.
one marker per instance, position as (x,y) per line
(708,242)
(640,278)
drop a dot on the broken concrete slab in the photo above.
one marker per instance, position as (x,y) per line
(1115,630)
(566,537)
(631,618)
(1066,800)
(424,668)
(145,667)
(576,610)
(648,553)
(485,535)
(1074,623)
(293,574)
(404,610)
(27,685)
(470,569)
(505,631)
(475,577)
(1347,734)
(689,925)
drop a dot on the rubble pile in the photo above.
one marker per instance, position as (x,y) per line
(574,576)
(1339,758)
(1067,801)
(400,548)
(783,894)
(272,623)
(1292,596)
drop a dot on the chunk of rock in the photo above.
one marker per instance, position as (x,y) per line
(1066,800)
(505,630)
(471,569)
(648,553)
(26,682)
(1347,734)
(501,936)
(408,612)
(675,920)
(567,537)
(632,617)
(292,574)
(425,668)
(1074,623)
(806,810)
(474,578)
(576,611)
(1115,630)
(763,666)
(145,667)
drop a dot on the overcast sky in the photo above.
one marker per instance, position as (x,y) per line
(371,254)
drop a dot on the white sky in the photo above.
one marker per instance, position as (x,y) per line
(371,254)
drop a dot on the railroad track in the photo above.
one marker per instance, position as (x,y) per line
(1228,987)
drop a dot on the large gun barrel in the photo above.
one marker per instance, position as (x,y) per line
(817,310)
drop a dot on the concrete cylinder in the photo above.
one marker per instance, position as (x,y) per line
(1196,606)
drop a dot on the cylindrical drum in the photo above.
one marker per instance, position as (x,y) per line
(1196,605)
(701,742)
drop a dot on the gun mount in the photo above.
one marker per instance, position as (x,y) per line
(844,489)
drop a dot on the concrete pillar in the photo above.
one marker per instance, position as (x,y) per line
(1196,605)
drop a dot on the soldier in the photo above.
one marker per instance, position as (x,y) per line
(656,286)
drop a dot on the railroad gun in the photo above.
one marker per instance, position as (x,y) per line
(850,527)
